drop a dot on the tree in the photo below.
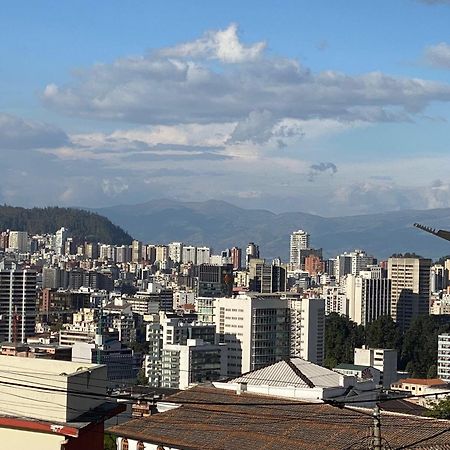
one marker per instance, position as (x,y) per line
(383,333)
(341,337)
(441,409)
(109,442)
(141,378)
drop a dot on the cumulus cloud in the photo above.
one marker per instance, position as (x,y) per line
(223,45)
(438,55)
(19,134)
(217,79)
(321,168)
(114,186)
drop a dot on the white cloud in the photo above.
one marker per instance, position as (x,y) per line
(182,85)
(438,55)
(19,134)
(223,45)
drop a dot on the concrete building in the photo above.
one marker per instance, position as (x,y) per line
(175,251)
(307,328)
(251,251)
(58,416)
(385,360)
(256,328)
(443,359)
(195,361)
(299,241)
(189,254)
(410,288)
(368,298)
(214,281)
(203,255)
(136,251)
(236,258)
(18,304)
(266,278)
(18,242)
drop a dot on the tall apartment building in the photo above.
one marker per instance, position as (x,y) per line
(18,241)
(236,258)
(299,241)
(369,298)
(203,255)
(443,360)
(251,252)
(307,328)
(189,254)
(175,251)
(17,304)
(410,288)
(256,328)
(266,278)
(136,251)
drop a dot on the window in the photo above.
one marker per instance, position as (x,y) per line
(140,446)
(124,445)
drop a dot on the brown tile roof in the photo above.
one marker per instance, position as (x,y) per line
(216,419)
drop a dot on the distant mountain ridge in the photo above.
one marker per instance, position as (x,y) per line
(221,225)
(83,225)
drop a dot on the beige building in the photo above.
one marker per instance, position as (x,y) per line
(410,288)
(44,404)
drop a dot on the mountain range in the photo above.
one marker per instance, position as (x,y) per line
(221,225)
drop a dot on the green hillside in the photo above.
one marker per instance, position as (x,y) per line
(83,225)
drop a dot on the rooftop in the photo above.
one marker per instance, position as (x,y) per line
(213,419)
(295,372)
(422,381)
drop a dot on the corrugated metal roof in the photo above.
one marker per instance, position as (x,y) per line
(294,372)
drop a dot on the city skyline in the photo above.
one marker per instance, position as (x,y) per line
(310,107)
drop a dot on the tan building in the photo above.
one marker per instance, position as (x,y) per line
(49,405)
(410,288)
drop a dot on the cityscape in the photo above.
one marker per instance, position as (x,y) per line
(225,225)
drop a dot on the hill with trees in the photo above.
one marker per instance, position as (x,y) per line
(83,225)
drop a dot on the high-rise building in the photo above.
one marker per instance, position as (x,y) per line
(236,258)
(266,278)
(256,328)
(307,328)
(189,254)
(17,304)
(299,241)
(410,288)
(60,240)
(175,251)
(203,255)
(369,298)
(136,251)
(162,253)
(18,241)
(214,281)
(251,252)
(443,359)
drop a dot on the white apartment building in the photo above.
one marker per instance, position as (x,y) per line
(256,328)
(18,241)
(196,361)
(299,241)
(385,360)
(368,298)
(175,251)
(308,328)
(189,254)
(443,361)
(203,255)
(335,300)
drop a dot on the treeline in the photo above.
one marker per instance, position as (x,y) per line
(416,347)
(83,225)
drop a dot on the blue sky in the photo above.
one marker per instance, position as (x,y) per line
(326,107)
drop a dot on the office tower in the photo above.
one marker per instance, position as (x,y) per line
(410,288)
(162,253)
(256,328)
(266,278)
(189,254)
(214,281)
(236,258)
(251,252)
(18,241)
(439,278)
(17,304)
(314,265)
(307,328)
(91,250)
(175,251)
(60,239)
(443,359)
(369,297)
(299,241)
(136,251)
(203,255)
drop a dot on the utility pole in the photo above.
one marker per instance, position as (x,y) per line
(376,428)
